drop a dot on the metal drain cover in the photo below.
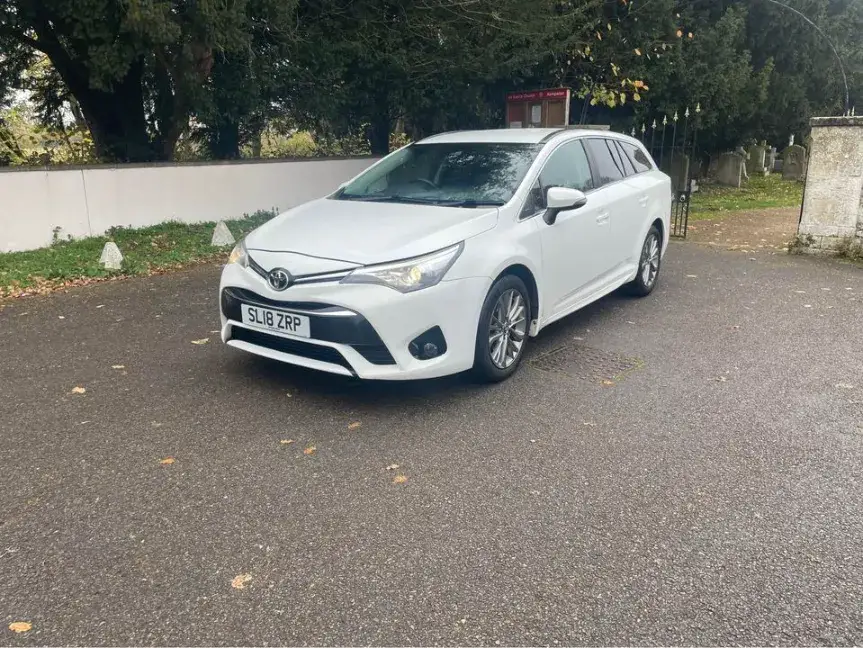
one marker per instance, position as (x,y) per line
(586,363)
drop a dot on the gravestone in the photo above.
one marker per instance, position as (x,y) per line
(756,162)
(678,170)
(794,163)
(771,160)
(730,168)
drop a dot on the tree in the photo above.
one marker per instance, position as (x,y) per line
(138,69)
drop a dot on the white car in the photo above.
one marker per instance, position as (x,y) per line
(449,254)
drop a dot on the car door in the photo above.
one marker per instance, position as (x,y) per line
(573,248)
(621,198)
(644,183)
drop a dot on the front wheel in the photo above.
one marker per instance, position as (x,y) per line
(503,329)
(648,265)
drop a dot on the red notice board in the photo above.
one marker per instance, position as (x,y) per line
(538,108)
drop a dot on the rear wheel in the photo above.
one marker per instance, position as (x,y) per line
(648,265)
(503,329)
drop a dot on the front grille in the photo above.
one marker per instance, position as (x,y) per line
(294,347)
(243,295)
(328,323)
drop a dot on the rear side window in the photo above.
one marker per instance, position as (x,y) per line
(607,168)
(628,169)
(637,157)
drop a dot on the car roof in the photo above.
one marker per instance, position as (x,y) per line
(515,135)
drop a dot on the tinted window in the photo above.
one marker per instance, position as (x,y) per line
(607,169)
(442,174)
(628,169)
(637,157)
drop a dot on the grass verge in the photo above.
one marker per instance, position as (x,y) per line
(148,250)
(761,192)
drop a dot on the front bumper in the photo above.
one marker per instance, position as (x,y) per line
(358,330)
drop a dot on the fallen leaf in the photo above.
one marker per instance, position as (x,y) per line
(288,394)
(310,450)
(608,383)
(60,317)
(201,341)
(118,366)
(355,425)
(167,461)
(286,441)
(78,390)
(101,306)
(20,626)
(400,479)
(393,467)
(239,582)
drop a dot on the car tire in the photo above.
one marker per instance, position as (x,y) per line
(493,362)
(649,263)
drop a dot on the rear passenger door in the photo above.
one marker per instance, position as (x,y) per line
(612,170)
(645,185)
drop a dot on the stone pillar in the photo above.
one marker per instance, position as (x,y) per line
(833,202)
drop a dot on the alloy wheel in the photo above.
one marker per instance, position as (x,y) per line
(507,329)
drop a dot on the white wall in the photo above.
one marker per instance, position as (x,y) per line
(87,201)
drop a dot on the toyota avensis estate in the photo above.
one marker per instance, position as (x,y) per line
(450,254)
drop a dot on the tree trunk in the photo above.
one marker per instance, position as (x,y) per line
(225,141)
(116,117)
(379,133)
(381,124)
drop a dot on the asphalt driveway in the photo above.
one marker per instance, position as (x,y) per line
(681,469)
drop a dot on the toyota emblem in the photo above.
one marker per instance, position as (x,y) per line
(279,279)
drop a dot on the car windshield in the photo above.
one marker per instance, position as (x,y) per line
(461,174)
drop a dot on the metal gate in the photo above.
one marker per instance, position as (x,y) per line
(672,139)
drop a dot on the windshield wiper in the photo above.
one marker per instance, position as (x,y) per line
(473,203)
(393,199)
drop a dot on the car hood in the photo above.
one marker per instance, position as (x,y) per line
(364,233)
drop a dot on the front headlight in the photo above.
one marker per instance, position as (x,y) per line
(239,255)
(410,275)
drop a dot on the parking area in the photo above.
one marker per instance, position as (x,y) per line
(681,469)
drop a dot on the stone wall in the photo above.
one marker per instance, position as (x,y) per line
(833,201)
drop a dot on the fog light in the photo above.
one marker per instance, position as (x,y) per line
(429,345)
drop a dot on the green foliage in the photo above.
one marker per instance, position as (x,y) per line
(145,250)
(761,192)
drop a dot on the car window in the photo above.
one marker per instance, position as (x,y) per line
(607,170)
(567,166)
(616,156)
(459,173)
(637,157)
(628,169)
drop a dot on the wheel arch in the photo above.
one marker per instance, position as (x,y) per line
(526,275)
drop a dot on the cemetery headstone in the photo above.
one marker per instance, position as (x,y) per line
(756,162)
(794,163)
(730,169)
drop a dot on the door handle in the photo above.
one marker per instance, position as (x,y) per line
(603,218)
(644,200)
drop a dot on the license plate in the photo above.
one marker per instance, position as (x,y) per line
(278,321)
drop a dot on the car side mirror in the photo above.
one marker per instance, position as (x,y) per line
(558,199)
